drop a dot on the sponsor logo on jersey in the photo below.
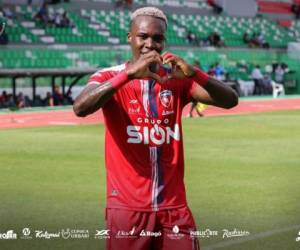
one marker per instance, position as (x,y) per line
(134,107)
(167,112)
(157,135)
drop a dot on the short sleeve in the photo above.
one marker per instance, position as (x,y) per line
(100,77)
(188,87)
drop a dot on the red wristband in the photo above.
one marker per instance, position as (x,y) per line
(119,80)
(200,77)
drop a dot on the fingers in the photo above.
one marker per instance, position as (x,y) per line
(166,78)
(154,76)
(152,57)
(168,57)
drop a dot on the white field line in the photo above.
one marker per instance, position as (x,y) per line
(252,237)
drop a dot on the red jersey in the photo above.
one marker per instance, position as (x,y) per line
(143,142)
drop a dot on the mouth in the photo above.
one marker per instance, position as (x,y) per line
(148,51)
(145,52)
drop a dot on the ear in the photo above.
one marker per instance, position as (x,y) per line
(129,37)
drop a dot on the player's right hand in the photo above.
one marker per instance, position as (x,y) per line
(141,68)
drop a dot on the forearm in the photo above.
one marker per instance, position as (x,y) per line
(222,96)
(213,91)
(92,98)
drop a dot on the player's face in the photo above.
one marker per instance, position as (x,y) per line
(146,34)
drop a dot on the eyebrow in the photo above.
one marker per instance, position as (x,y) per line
(145,33)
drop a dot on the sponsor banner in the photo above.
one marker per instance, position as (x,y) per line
(26,234)
(234,233)
(75,233)
(146,233)
(127,234)
(102,234)
(44,234)
(298,238)
(175,235)
(9,235)
(203,234)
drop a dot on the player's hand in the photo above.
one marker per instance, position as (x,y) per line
(179,68)
(141,68)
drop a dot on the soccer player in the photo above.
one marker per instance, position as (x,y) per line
(142,102)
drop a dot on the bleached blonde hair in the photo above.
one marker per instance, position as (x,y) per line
(149,11)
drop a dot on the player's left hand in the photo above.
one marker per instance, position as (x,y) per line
(179,68)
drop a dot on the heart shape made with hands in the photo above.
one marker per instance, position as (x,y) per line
(179,69)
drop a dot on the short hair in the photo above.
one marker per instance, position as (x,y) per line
(149,11)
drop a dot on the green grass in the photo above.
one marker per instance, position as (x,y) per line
(241,172)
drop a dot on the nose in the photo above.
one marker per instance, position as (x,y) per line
(150,44)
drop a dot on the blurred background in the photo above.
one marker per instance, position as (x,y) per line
(242,171)
(49,48)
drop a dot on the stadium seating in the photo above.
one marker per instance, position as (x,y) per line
(238,63)
(110,27)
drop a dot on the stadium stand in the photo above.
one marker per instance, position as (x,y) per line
(110,27)
(96,37)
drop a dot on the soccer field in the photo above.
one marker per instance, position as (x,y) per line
(242,172)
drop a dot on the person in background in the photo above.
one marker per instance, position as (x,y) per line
(257,77)
(279,74)
(57,96)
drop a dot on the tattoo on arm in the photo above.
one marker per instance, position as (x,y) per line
(90,100)
(100,89)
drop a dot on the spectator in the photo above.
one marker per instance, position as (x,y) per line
(48,101)
(57,97)
(3,38)
(21,103)
(256,40)
(267,84)
(211,70)
(246,38)
(65,22)
(214,39)
(219,72)
(262,41)
(279,74)
(10,102)
(192,39)
(62,20)
(124,3)
(43,15)
(3,98)
(8,13)
(199,107)
(257,78)
(68,98)
(295,8)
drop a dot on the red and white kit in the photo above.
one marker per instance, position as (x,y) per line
(143,145)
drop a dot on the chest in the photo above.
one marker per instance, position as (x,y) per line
(149,100)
